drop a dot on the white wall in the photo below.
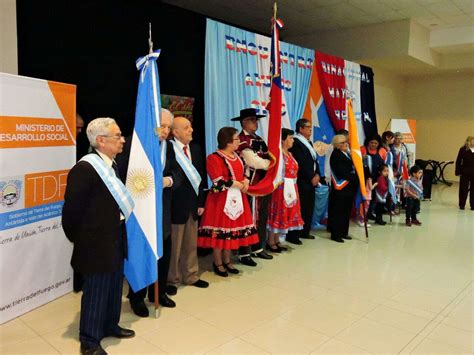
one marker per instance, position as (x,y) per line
(8,37)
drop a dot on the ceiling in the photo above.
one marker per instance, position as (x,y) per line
(447,26)
(307,16)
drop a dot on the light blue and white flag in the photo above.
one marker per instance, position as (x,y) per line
(145,180)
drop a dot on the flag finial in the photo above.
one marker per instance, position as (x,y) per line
(150,41)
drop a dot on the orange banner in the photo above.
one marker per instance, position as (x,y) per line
(45,187)
(27,132)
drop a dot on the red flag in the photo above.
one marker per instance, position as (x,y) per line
(270,181)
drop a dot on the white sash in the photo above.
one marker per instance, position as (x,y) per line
(116,187)
(289,192)
(308,146)
(186,164)
(234,206)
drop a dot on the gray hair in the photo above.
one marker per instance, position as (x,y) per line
(98,127)
(165,111)
(338,138)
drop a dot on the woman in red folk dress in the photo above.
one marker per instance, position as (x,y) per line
(227,222)
(284,212)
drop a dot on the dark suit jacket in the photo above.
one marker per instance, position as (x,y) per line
(91,220)
(343,169)
(306,168)
(171,169)
(184,199)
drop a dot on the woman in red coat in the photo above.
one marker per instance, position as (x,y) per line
(227,222)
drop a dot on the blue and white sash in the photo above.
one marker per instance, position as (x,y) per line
(381,198)
(415,187)
(164,148)
(308,146)
(186,164)
(116,187)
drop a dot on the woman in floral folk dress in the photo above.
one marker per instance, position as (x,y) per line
(227,220)
(284,212)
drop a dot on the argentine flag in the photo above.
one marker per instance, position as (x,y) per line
(144,180)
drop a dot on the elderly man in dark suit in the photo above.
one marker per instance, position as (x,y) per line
(172,178)
(186,206)
(94,213)
(308,177)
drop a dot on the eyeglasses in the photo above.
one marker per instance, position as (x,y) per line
(115,136)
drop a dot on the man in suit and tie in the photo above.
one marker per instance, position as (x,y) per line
(187,205)
(96,205)
(172,178)
(308,177)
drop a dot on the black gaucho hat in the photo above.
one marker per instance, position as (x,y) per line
(246,113)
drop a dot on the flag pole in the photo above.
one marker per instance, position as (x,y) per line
(365,224)
(156,289)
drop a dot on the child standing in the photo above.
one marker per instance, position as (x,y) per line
(413,193)
(381,193)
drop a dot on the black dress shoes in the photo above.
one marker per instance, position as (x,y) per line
(296,241)
(348,237)
(219,272)
(282,248)
(273,248)
(247,260)
(171,290)
(309,236)
(339,240)
(139,308)
(98,350)
(232,270)
(121,333)
(165,301)
(201,284)
(264,255)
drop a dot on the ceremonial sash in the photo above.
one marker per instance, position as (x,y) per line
(381,198)
(114,185)
(186,164)
(308,146)
(338,184)
(164,148)
(415,187)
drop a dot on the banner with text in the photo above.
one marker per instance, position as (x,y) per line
(237,76)
(37,149)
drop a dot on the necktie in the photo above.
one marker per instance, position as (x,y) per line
(115,167)
(185,149)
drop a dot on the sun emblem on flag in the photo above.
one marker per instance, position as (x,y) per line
(140,183)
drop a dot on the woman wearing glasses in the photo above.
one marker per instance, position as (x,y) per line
(227,222)
(343,189)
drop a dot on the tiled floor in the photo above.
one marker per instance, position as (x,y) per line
(409,290)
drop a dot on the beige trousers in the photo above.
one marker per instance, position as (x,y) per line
(184,265)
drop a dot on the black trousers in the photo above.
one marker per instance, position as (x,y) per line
(466,185)
(263,203)
(341,207)
(100,306)
(163,268)
(307,200)
(413,207)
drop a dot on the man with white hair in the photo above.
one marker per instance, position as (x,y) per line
(96,205)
